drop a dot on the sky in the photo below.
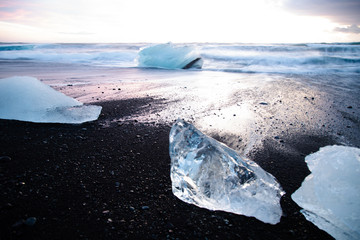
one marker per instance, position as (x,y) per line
(246,21)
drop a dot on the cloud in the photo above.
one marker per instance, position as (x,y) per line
(12,15)
(77,33)
(350,29)
(345,12)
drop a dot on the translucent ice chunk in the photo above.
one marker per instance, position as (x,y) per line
(208,174)
(28,99)
(330,195)
(169,56)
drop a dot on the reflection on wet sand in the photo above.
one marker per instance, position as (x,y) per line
(240,110)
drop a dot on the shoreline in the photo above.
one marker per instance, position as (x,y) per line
(110,178)
(106,179)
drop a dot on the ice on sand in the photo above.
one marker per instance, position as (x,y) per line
(169,56)
(330,195)
(28,99)
(208,174)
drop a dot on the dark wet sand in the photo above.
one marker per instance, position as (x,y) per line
(102,180)
(110,179)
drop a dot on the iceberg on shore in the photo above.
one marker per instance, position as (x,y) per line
(330,195)
(208,174)
(28,99)
(169,56)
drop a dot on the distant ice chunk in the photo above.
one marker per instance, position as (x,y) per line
(28,99)
(169,56)
(208,174)
(330,195)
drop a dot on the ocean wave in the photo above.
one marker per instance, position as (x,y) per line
(259,58)
(16,47)
(290,60)
(92,54)
(289,70)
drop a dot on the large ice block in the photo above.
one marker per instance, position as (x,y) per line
(208,174)
(170,56)
(28,99)
(330,195)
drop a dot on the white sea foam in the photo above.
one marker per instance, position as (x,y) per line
(28,99)
(91,54)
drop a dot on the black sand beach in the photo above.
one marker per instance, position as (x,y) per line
(111,179)
(92,181)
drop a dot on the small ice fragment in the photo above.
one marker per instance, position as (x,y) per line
(330,195)
(28,99)
(208,174)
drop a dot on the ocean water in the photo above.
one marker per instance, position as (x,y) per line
(324,58)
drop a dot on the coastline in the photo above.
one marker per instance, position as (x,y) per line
(110,178)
